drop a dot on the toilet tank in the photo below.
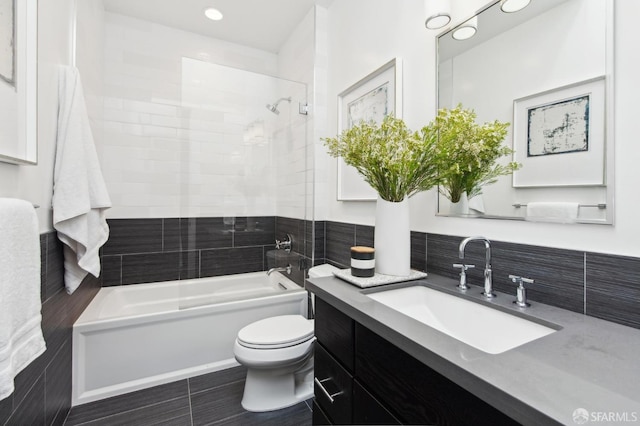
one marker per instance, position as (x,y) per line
(324,270)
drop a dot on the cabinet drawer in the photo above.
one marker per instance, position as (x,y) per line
(332,387)
(367,410)
(336,331)
(415,393)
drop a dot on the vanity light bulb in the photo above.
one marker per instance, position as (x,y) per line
(438,13)
(510,6)
(466,30)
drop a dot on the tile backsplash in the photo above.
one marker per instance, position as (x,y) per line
(165,249)
(149,250)
(600,285)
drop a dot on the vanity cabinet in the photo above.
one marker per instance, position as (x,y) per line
(361,378)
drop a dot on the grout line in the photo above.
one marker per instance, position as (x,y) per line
(584,282)
(189,396)
(125,411)
(67,416)
(217,387)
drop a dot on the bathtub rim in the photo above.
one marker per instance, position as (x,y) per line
(90,319)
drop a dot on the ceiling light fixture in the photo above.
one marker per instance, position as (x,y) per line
(213,14)
(510,6)
(466,30)
(438,13)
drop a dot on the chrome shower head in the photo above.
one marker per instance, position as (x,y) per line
(274,107)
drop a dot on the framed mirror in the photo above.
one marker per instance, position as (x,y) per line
(18,81)
(547,70)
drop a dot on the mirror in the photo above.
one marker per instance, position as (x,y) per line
(18,81)
(548,71)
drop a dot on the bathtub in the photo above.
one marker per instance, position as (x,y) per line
(137,336)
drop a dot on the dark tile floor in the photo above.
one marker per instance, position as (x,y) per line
(211,399)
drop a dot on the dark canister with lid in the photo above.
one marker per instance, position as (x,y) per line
(363,263)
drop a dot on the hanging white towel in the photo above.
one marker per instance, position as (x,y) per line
(80,195)
(21,338)
(552,212)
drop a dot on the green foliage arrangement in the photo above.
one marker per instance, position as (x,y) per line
(394,160)
(468,152)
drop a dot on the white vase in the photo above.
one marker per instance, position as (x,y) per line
(392,238)
(460,207)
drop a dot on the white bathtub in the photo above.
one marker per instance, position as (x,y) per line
(137,336)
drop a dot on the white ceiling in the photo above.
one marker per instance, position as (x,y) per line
(262,24)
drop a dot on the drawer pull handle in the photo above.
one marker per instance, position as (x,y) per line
(324,390)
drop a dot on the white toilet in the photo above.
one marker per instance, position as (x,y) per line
(278,354)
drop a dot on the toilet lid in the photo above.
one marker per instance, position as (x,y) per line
(276,332)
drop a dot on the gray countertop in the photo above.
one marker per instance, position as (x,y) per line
(588,364)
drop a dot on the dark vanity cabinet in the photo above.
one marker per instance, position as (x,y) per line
(361,378)
(339,396)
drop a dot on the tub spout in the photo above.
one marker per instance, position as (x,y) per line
(280,269)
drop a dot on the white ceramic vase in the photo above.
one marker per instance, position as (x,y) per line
(392,238)
(461,207)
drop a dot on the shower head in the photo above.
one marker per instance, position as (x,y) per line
(274,107)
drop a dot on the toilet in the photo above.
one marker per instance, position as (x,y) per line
(278,354)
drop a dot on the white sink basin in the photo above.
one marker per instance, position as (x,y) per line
(482,327)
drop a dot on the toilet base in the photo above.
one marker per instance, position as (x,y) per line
(268,390)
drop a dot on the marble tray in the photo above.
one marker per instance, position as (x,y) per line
(377,279)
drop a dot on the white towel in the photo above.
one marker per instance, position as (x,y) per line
(21,338)
(552,212)
(80,195)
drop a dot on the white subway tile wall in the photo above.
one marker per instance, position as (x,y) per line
(186,130)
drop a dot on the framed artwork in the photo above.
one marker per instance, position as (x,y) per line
(370,99)
(7,41)
(18,81)
(559,136)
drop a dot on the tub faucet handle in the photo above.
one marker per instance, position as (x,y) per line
(521,292)
(463,275)
(284,245)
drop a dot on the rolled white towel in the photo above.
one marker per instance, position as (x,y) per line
(552,212)
(21,338)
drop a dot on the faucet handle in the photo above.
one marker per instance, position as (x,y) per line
(463,275)
(286,244)
(521,292)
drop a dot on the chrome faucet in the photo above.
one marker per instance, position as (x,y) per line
(286,269)
(488,281)
(284,245)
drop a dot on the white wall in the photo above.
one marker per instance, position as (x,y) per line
(90,61)
(55,36)
(295,167)
(35,183)
(365,34)
(177,106)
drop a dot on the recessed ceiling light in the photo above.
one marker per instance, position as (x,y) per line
(213,14)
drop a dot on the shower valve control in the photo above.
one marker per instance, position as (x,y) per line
(284,245)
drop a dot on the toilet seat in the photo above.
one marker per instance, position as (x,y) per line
(276,332)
